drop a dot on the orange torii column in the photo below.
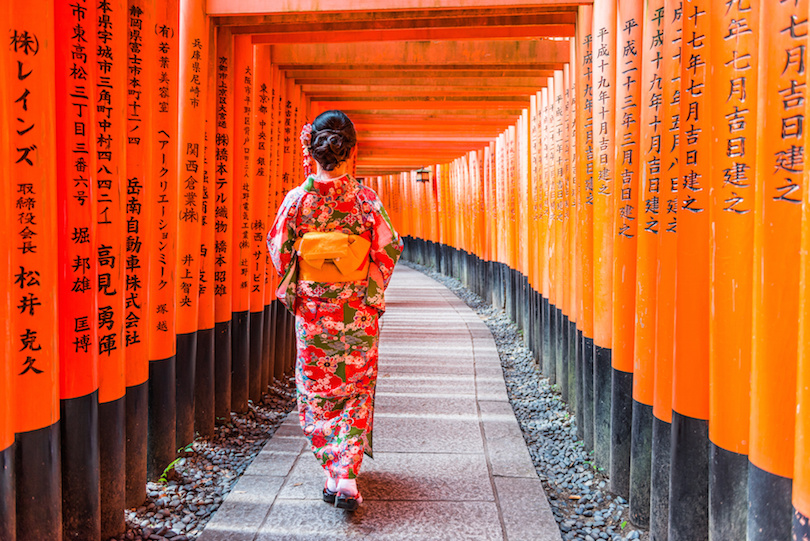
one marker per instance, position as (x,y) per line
(276,197)
(193,53)
(8,507)
(163,244)
(647,201)
(733,119)
(499,295)
(34,363)
(281,182)
(780,177)
(264,164)
(547,233)
(533,218)
(240,234)
(625,219)
(223,223)
(76,213)
(139,232)
(205,370)
(584,40)
(689,474)
(258,220)
(524,243)
(560,238)
(801,472)
(110,97)
(605,189)
(667,267)
(574,375)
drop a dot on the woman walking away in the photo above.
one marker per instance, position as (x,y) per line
(334,246)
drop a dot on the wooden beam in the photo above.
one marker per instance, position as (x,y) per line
(550,53)
(316,74)
(247,7)
(390,18)
(418,34)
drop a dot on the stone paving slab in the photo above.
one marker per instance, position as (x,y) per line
(450,461)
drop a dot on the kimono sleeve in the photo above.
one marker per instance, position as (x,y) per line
(281,238)
(386,247)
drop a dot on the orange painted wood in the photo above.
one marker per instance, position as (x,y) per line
(732,205)
(558,195)
(206,318)
(546,231)
(649,209)
(585,167)
(534,197)
(32,207)
(777,236)
(163,182)
(801,466)
(76,97)
(6,289)
(262,124)
(690,369)
(193,64)
(224,166)
(668,221)
(110,99)
(420,34)
(243,171)
(627,162)
(605,172)
(273,192)
(241,7)
(572,193)
(539,53)
(140,200)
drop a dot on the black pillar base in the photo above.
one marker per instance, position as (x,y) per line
(256,322)
(37,466)
(137,421)
(8,504)
(161,440)
(621,426)
(602,394)
(81,502)
(204,387)
(659,480)
(186,368)
(223,354)
(240,362)
(689,479)
(641,464)
(587,391)
(728,494)
(769,505)
(112,461)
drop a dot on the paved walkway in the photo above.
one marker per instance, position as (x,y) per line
(450,461)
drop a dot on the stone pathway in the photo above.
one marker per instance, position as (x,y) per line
(450,461)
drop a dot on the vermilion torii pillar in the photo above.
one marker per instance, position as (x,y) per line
(733,118)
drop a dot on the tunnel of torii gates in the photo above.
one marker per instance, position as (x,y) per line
(624,177)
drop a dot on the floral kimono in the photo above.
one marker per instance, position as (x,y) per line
(336,324)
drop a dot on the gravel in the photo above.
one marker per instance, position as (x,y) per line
(578,492)
(178,507)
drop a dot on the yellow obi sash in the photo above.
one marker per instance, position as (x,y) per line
(332,257)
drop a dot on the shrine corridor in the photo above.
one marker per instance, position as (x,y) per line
(449,458)
(625,178)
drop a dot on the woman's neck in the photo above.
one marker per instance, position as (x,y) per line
(337,172)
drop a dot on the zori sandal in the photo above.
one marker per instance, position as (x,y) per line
(328,495)
(348,502)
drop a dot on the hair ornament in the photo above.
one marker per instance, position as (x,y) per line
(306,141)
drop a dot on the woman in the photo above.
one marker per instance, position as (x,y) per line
(335,247)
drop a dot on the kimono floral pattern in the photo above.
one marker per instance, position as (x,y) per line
(336,324)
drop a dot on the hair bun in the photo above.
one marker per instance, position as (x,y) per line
(333,138)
